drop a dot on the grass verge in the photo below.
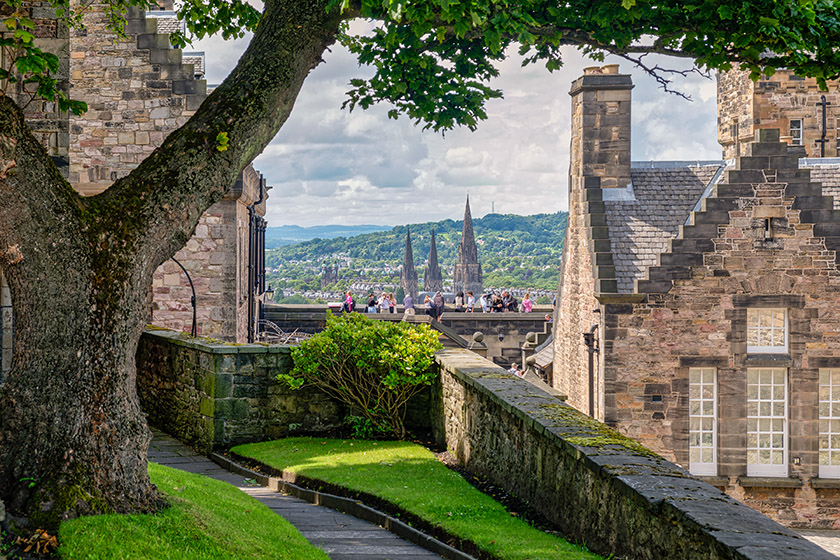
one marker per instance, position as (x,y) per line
(412,479)
(208,520)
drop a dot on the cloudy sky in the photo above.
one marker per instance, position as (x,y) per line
(331,166)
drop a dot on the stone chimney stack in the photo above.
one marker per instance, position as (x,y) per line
(601,126)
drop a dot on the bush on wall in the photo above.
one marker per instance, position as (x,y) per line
(373,366)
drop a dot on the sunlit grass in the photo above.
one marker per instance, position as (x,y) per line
(208,520)
(410,477)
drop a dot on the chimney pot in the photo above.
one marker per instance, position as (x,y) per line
(610,69)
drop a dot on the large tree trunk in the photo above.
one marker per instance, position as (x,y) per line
(72,437)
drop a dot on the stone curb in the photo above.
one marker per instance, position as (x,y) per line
(348,506)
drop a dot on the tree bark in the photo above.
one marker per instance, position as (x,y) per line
(73,440)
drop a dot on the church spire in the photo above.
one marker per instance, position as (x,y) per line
(408,275)
(467,251)
(467,274)
(433,279)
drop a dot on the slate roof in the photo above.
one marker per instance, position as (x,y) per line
(642,220)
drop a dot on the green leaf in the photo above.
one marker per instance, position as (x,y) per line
(222,141)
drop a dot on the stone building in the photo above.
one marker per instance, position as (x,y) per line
(138,90)
(408,274)
(467,274)
(329,275)
(698,307)
(432,277)
(804,115)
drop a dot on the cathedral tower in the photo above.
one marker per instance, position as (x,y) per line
(467,275)
(408,275)
(432,278)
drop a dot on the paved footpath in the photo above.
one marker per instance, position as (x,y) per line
(828,539)
(341,536)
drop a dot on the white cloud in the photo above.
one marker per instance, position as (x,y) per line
(334,166)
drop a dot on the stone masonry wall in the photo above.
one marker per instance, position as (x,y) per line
(600,161)
(600,488)
(209,394)
(217,259)
(137,90)
(771,103)
(695,316)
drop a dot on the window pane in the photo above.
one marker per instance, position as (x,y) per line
(778,338)
(694,454)
(778,319)
(824,458)
(708,455)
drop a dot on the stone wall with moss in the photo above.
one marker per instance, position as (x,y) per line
(209,394)
(598,486)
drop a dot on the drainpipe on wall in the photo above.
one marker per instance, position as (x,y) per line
(591,341)
(252,256)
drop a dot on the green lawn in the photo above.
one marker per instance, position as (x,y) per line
(208,520)
(410,477)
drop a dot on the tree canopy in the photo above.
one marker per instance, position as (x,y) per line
(80,268)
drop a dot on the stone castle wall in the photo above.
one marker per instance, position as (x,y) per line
(695,316)
(745,106)
(211,395)
(600,160)
(217,260)
(138,90)
(598,487)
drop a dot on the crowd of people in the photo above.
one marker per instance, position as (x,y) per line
(434,305)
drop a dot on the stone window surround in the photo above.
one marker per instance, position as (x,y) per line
(731,371)
(796,131)
(770,416)
(832,419)
(705,377)
(762,331)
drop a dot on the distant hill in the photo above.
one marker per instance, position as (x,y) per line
(278,236)
(515,251)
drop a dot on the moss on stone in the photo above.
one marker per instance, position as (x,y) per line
(587,432)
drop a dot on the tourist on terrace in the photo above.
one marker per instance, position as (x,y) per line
(509,302)
(459,302)
(484,302)
(497,305)
(408,304)
(349,303)
(392,303)
(470,302)
(384,303)
(429,307)
(371,303)
(438,301)
(527,304)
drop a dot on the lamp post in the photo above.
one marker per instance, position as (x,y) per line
(192,299)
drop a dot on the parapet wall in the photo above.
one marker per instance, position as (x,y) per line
(210,394)
(596,485)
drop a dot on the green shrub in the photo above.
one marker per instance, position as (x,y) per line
(373,366)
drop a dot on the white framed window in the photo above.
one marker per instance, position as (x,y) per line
(767,397)
(767,331)
(796,131)
(829,423)
(702,418)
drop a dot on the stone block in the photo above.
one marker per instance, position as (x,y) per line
(207,407)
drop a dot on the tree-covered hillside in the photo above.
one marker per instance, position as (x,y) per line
(514,251)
